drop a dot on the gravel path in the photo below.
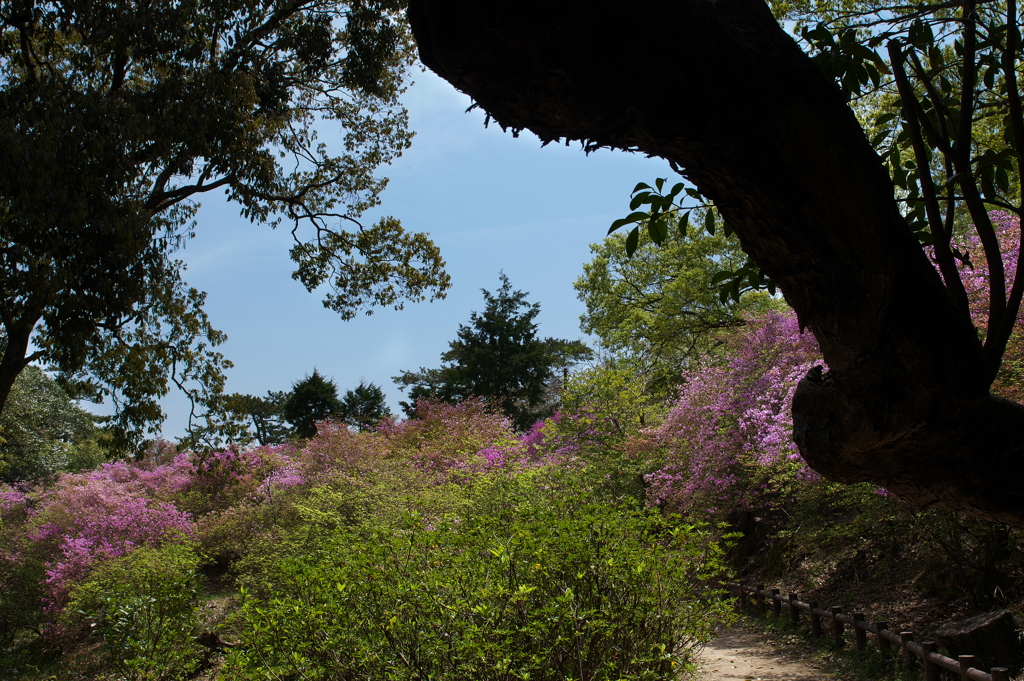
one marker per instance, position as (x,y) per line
(742,654)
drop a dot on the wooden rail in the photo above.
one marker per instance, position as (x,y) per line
(932,661)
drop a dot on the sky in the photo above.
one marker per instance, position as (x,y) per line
(491,202)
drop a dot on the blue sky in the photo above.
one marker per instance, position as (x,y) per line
(491,202)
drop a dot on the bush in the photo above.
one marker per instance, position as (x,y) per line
(83,521)
(144,607)
(727,439)
(535,578)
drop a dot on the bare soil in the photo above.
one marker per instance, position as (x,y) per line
(742,653)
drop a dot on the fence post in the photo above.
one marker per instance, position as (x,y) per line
(815,620)
(931,670)
(908,657)
(860,634)
(1000,674)
(776,604)
(883,642)
(966,662)
(794,612)
(837,626)
(759,599)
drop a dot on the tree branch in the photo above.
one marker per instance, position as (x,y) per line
(912,114)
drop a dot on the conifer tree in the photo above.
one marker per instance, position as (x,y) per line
(312,399)
(498,356)
(364,406)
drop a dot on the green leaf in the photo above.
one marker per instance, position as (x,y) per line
(639,200)
(709,221)
(684,224)
(885,118)
(639,186)
(629,219)
(720,276)
(658,230)
(632,241)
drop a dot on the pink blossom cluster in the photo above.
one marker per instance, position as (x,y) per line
(82,521)
(164,482)
(975,276)
(732,420)
(547,442)
(444,436)
(229,477)
(12,502)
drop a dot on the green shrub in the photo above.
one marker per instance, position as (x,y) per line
(20,596)
(534,578)
(144,607)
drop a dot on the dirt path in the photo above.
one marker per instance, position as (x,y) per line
(743,654)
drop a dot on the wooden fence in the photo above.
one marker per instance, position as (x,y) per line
(962,668)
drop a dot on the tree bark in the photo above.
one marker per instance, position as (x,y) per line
(719,89)
(14,357)
(991,637)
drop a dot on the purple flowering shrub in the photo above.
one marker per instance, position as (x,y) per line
(165,482)
(726,440)
(13,506)
(446,436)
(1010,381)
(82,521)
(542,444)
(337,450)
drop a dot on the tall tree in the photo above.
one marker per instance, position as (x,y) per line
(266,414)
(116,117)
(364,407)
(659,306)
(498,356)
(767,135)
(41,430)
(312,399)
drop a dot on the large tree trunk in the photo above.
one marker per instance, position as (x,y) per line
(719,89)
(13,357)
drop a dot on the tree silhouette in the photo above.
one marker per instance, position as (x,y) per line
(364,406)
(312,399)
(498,356)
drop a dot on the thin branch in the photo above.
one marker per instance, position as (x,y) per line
(972,196)
(939,137)
(1010,56)
(159,201)
(940,237)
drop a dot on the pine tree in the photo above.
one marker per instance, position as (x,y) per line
(364,407)
(312,399)
(498,356)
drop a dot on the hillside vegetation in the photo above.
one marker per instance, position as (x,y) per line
(449,546)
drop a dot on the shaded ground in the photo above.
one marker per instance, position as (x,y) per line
(744,654)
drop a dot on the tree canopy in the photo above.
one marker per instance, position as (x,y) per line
(364,406)
(265,414)
(766,134)
(658,306)
(116,118)
(498,356)
(43,432)
(312,399)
